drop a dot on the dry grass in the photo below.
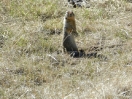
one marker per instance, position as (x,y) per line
(31,37)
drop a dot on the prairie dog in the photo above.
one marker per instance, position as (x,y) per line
(69,30)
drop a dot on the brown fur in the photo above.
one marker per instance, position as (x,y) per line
(69,30)
(70,23)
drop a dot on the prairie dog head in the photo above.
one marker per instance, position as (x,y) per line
(69,15)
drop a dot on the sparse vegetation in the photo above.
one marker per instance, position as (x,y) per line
(32,65)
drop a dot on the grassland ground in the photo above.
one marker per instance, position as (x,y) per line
(31,38)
